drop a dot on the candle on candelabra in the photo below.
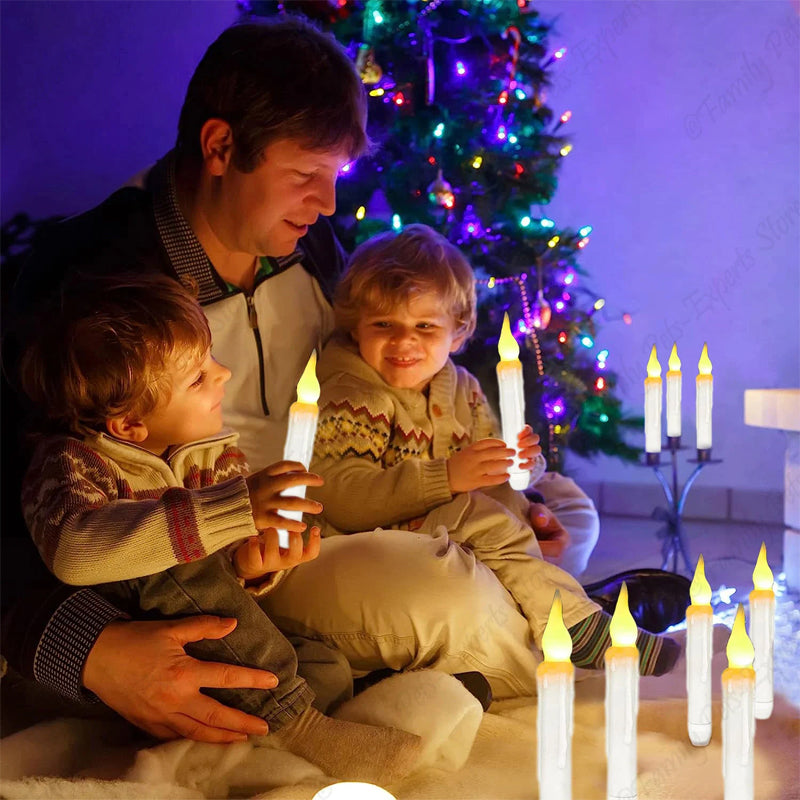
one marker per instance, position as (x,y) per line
(704,401)
(652,408)
(738,718)
(512,401)
(699,631)
(555,688)
(674,394)
(622,702)
(300,433)
(762,633)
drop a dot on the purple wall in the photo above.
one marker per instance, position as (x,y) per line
(685,129)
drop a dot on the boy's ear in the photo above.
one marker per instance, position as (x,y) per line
(216,144)
(127,429)
(458,342)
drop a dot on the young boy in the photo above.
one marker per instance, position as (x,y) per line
(142,492)
(407,439)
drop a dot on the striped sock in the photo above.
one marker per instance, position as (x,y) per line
(591,638)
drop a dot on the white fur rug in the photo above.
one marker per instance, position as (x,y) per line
(468,755)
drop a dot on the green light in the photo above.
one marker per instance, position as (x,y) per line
(587,341)
(547,223)
(377,16)
(602,355)
(396,222)
(604,418)
(438,131)
(512,139)
(525,221)
(585,230)
(520,94)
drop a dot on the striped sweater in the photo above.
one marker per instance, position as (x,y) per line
(383,451)
(102,510)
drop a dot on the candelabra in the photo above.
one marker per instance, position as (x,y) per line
(675,546)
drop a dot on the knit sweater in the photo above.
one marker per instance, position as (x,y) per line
(103,510)
(383,451)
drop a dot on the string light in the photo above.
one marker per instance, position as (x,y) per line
(377,93)
(562,337)
(512,139)
(565,117)
(602,355)
(525,222)
(566,150)
(346,168)
(583,242)
(585,230)
(460,68)
(476,164)
(501,133)
(438,131)
(559,54)
(396,222)
(599,303)
(520,94)
(377,16)
(569,278)
(503,99)
(491,283)
(627,319)
(600,384)
(546,223)
(604,418)
(587,341)
(554,241)
(399,99)
(361,213)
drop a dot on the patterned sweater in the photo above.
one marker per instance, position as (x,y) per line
(102,510)
(383,451)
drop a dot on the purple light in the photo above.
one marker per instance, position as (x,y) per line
(566,297)
(346,168)
(501,133)
(554,409)
(569,278)
(560,305)
(460,68)
(521,326)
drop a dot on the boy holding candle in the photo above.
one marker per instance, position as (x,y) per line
(407,440)
(140,492)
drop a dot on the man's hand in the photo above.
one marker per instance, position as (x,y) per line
(141,670)
(262,554)
(527,447)
(550,533)
(265,489)
(484,463)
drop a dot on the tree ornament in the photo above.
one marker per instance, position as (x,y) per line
(541,311)
(367,67)
(440,192)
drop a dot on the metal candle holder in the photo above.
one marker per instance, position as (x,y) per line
(675,546)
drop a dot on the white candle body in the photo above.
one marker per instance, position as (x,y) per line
(699,630)
(622,708)
(674,403)
(512,416)
(555,688)
(762,635)
(738,732)
(652,415)
(299,446)
(704,400)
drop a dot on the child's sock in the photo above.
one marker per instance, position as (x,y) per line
(591,638)
(350,750)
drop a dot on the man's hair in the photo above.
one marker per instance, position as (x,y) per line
(276,79)
(390,269)
(102,349)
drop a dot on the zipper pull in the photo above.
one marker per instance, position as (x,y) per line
(251,312)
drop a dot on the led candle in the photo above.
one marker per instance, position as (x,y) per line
(300,433)
(652,405)
(512,401)
(762,633)
(674,394)
(622,702)
(555,689)
(351,790)
(738,718)
(704,400)
(699,630)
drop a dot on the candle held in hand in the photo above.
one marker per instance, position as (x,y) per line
(738,717)
(622,702)
(299,445)
(762,633)
(699,631)
(674,380)
(555,688)
(652,405)
(512,401)
(704,400)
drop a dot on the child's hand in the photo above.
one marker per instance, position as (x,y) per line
(265,489)
(485,463)
(259,555)
(550,533)
(528,447)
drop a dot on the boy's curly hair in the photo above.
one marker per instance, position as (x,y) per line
(102,346)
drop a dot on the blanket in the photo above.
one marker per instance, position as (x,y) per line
(467,754)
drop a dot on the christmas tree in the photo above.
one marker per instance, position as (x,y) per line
(467,145)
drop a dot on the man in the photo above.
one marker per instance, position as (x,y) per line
(271,115)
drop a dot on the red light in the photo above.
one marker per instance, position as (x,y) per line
(431,160)
(600,384)
(626,318)
(503,99)
(518,168)
(562,337)
(399,99)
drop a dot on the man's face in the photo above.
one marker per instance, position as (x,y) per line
(265,212)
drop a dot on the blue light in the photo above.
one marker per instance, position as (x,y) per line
(587,341)
(460,68)
(438,131)
(602,355)
(396,222)
(585,230)
(546,223)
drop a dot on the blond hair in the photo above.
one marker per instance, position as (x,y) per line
(103,346)
(390,269)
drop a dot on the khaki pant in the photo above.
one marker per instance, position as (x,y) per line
(415,600)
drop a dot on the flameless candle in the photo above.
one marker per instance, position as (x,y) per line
(555,689)
(512,401)
(652,405)
(300,434)
(351,790)
(762,632)
(738,718)
(674,394)
(699,630)
(704,400)
(622,702)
